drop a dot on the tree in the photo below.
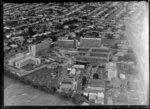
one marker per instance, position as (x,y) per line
(95,76)
(115,46)
(54,38)
(78,99)
(84,81)
(30,31)
(130,57)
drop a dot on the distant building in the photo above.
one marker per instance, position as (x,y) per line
(40,48)
(90,42)
(67,43)
(109,42)
(20,38)
(72,53)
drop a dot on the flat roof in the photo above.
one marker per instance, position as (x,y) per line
(91,57)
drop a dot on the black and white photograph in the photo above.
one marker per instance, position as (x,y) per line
(76,53)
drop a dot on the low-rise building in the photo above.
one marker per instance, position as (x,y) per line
(92,55)
(111,68)
(27,60)
(67,84)
(90,42)
(79,66)
(72,53)
(95,91)
(109,101)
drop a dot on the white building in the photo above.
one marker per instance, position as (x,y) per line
(21,60)
(79,66)
(112,70)
(16,58)
(27,60)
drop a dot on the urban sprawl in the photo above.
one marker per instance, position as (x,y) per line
(75,50)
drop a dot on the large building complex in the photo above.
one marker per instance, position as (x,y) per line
(21,60)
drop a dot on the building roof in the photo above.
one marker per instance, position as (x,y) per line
(66,43)
(109,41)
(122,98)
(90,42)
(67,80)
(90,59)
(97,83)
(85,104)
(43,45)
(66,86)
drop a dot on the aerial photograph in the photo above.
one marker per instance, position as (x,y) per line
(76,53)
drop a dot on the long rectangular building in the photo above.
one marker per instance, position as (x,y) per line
(92,55)
(38,48)
(90,42)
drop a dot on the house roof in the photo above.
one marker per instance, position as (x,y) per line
(66,85)
(97,83)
